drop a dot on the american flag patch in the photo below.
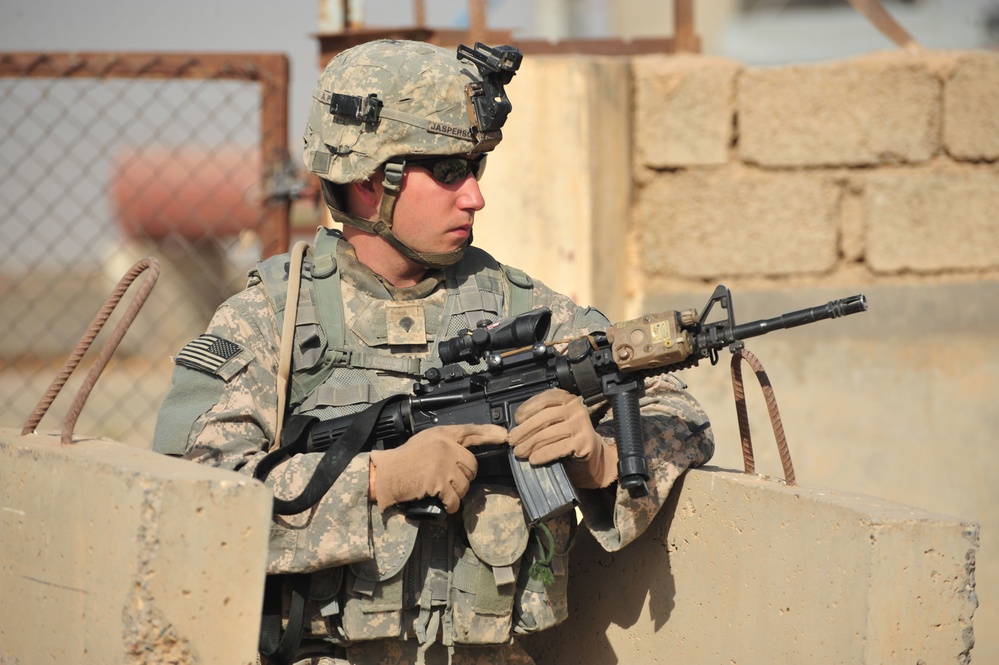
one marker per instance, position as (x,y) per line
(207,353)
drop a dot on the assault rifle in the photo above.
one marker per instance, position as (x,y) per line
(610,364)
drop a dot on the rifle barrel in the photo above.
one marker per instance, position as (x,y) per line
(830,310)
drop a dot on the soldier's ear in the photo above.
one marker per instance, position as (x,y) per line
(364,197)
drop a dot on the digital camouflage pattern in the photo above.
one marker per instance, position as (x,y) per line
(229,422)
(394,652)
(422,88)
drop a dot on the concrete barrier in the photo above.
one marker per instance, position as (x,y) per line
(110,554)
(744,569)
(130,557)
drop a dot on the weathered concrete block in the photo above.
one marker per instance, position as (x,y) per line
(735,221)
(684,108)
(120,555)
(872,110)
(746,570)
(928,220)
(971,108)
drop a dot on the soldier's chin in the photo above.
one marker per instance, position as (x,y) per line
(456,242)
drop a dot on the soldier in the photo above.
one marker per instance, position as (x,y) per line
(398,134)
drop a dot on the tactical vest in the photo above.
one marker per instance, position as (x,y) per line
(476,288)
(479,570)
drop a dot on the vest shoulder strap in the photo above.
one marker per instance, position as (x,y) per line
(326,317)
(521,295)
(272,275)
(316,313)
(478,284)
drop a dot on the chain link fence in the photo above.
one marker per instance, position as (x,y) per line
(109,158)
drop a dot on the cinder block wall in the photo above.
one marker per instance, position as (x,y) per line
(796,185)
(792,185)
(869,169)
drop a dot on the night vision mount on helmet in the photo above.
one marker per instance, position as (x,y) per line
(487,98)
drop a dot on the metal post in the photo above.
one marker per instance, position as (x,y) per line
(554,19)
(332,16)
(477,11)
(875,12)
(275,233)
(686,39)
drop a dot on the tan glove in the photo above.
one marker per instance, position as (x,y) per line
(555,424)
(434,462)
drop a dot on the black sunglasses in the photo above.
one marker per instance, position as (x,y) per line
(451,169)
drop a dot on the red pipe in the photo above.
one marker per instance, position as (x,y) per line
(189,191)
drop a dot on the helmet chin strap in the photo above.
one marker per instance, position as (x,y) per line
(383,227)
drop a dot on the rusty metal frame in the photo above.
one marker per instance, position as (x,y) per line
(685,39)
(269,70)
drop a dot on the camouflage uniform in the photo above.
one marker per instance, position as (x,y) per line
(362,556)
(385,588)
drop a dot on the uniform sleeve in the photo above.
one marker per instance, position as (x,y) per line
(569,320)
(677,436)
(222,411)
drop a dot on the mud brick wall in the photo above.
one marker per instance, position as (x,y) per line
(870,168)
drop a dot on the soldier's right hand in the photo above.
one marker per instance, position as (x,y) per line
(435,462)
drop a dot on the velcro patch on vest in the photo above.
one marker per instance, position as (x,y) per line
(405,323)
(209,353)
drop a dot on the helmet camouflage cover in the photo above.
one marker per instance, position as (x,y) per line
(380,102)
(388,98)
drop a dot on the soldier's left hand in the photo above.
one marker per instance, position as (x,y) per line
(556,424)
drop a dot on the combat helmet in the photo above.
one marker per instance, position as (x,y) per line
(380,102)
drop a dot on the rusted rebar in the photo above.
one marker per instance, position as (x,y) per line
(107,350)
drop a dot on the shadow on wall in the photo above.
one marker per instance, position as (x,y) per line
(594,608)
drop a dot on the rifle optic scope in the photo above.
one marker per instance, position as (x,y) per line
(505,335)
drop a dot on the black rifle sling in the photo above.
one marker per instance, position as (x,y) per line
(276,648)
(294,437)
(357,439)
